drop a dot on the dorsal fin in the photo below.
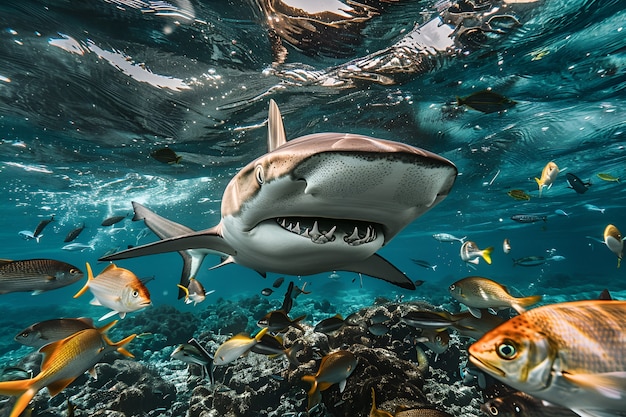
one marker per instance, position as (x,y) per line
(275,130)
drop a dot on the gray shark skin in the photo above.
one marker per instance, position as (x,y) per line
(318,203)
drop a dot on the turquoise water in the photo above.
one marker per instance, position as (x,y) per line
(88,92)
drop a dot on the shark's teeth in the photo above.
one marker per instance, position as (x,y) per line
(321,232)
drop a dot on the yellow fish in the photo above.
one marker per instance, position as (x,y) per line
(518,195)
(570,354)
(64,361)
(335,368)
(470,252)
(195,292)
(608,177)
(235,347)
(479,293)
(548,175)
(615,242)
(118,289)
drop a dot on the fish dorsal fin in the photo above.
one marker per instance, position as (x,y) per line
(276,135)
(111,266)
(58,386)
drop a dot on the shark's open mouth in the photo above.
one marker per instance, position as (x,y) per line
(322,230)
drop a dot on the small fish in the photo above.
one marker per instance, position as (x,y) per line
(424,264)
(297,290)
(335,368)
(566,354)
(278,282)
(561,212)
(36,275)
(576,183)
(519,404)
(118,289)
(506,246)
(288,298)
(467,325)
(28,235)
(591,207)
(166,155)
(273,346)
(530,261)
(425,319)
(235,347)
(470,252)
(480,293)
(195,292)
(64,361)
(279,321)
(548,175)
(15,373)
(518,195)
(44,332)
(446,237)
(193,353)
(42,224)
(419,282)
(436,340)
(403,411)
(614,241)
(78,247)
(375,412)
(608,177)
(528,218)
(486,101)
(378,329)
(73,234)
(379,317)
(330,324)
(267,291)
(556,258)
(110,221)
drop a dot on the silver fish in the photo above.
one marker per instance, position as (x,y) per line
(36,275)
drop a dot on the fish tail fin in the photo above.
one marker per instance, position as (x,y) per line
(540,184)
(520,303)
(120,345)
(434,267)
(373,402)
(38,237)
(296,322)
(186,291)
(459,101)
(463,239)
(314,393)
(292,352)
(106,327)
(260,334)
(486,254)
(24,388)
(89,278)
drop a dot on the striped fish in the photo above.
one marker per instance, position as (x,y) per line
(36,275)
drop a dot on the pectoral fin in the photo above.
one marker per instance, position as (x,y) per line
(209,239)
(610,384)
(378,267)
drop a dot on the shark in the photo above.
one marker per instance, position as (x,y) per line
(321,202)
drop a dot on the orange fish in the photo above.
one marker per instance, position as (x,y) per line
(64,361)
(118,289)
(548,175)
(570,354)
(335,368)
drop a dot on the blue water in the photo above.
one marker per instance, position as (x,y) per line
(87,92)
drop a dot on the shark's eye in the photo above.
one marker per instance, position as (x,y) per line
(259,174)
(507,350)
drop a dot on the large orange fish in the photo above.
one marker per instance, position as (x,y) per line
(118,289)
(572,354)
(64,361)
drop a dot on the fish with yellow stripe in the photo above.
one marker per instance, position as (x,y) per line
(63,362)
(335,368)
(571,354)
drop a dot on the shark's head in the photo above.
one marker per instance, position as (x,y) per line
(350,192)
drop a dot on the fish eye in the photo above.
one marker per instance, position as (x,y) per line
(493,410)
(507,350)
(135,294)
(74,271)
(259,174)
